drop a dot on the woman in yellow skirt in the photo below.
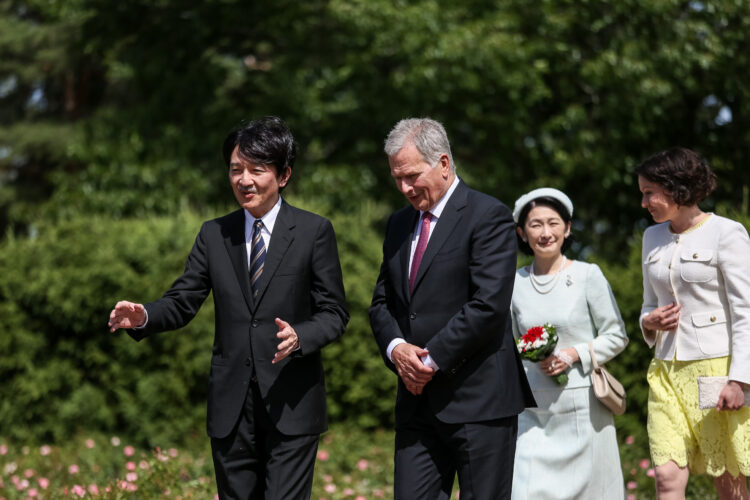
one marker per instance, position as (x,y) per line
(696,315)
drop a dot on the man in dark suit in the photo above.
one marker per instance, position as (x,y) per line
(279,298)
(440,314)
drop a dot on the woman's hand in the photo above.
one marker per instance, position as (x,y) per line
(559,361)
(662,318)
(732,396)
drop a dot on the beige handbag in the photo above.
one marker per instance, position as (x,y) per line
(607,388)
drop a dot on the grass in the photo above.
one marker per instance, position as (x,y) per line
(352,464)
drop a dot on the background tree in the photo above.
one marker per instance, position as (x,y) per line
(112,116)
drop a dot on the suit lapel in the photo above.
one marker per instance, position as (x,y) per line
(234,241)
(445,226)
(281,238)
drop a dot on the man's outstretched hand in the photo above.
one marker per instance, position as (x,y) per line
(126,315)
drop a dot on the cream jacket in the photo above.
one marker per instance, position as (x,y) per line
(707,271)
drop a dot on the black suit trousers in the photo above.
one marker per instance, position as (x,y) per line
(429,454)
(256,461)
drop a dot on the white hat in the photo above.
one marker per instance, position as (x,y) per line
(539,193)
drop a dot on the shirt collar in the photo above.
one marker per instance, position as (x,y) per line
(440,205)
(269,219)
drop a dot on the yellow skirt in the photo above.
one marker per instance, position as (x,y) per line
(707,441)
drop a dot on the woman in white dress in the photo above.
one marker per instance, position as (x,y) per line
(567,446)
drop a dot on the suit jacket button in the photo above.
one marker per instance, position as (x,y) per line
(713,319)
(413,316)
(695,255)
(254,324)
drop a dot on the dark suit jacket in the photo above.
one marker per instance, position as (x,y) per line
(301,284)
(459,309)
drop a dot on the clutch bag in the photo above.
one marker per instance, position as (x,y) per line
(709,389)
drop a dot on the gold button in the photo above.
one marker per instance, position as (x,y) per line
(713,319)
(695,255)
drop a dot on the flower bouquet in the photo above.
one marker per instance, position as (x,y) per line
(537,344)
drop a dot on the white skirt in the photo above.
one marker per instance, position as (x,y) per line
(567,449)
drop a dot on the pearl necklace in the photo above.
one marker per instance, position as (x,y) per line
(545,287)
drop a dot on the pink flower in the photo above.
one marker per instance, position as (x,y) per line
(322,455)
(45,450)
(89,443)
(22,484)
(329,488)
(3,449)
(327,478)
(33,493)
(173,452)
(124,485)
(630,497)
(128,451)
(378,493)
(130,465)
(78,490)
(143,465)
(131,476)
(631,485)
(28,473)
(348,492)
(362,464)
(43,483)
(645,464)
(630,440)
(650,472)
(93,489)
(360,497)
(216,497)
(73,469)
(115,441)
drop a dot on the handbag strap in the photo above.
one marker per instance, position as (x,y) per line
(593,358)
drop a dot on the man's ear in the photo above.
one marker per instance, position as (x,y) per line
(445,165)
(284,179)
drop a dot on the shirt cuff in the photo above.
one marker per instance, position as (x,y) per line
(429,362)
(392,345)
(144,323)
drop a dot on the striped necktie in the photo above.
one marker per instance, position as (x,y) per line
(257,256)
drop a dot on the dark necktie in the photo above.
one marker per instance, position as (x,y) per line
(424,235)
(257,255)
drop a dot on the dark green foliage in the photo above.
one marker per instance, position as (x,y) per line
(61,368)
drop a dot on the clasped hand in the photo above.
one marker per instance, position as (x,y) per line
(411,369)
(559,361)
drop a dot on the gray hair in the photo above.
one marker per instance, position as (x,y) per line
(427,135)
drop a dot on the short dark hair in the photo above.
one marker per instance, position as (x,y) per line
(543,201)
(683,173)
(267,141)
